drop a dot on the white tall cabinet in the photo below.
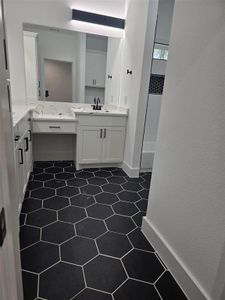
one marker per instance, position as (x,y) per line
(95,68)
(31,65)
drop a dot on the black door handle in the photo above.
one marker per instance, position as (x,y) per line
(5,52)
(27,144)
(21,156)
(46,93)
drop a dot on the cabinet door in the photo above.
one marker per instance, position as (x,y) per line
(113,144)
(95,69)
(89,144)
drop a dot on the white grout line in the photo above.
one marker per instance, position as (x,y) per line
(159,277)
(162,263)
(38,286)
(158,292)
(31,272)
(74,297)
(119,287)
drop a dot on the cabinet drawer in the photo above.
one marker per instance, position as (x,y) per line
(54,127)
(103,121)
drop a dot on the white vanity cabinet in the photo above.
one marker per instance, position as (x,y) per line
(23,155)
(100,139)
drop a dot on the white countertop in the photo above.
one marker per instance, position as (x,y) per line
(49,117)
(102,112)
(19,111)
(54,111)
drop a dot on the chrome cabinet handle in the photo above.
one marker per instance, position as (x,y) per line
(101,133)
(104,133)
(54,127)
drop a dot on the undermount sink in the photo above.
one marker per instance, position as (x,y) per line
(89,109)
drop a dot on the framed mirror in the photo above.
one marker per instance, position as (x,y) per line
(70,66)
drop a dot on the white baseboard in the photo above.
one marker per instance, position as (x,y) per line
(101,165)
(184,278)
(145,170)
(131,172)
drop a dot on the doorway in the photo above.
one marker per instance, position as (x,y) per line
(156,83)
(58,80)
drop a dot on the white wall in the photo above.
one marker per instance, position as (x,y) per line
(53,14)
(53,147)
(185,219)
(113,68)
(152,118)
(165,16)
(137,52)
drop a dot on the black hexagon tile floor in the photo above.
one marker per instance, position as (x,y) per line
(80,237)
(78,250)
(104,273)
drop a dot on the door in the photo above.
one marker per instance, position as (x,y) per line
(10,267)
(113,144)
(90,145)
(58,80)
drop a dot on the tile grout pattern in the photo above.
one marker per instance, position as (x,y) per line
(80,237)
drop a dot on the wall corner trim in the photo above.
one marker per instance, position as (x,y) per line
(188,283)
(131,172)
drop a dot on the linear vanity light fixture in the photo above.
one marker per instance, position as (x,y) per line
(84,16)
